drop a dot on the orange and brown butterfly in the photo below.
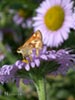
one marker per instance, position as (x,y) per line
(35,41)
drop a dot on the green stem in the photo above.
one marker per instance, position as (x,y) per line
(9,56)
(41,89)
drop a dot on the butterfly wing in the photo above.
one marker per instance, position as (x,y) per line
(35,41)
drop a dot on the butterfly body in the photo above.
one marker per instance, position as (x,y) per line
(34,42)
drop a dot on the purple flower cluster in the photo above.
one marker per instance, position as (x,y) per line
(24,23)
(66,61)
(63,57)
(5,73)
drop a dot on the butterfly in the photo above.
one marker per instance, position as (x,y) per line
(34,42)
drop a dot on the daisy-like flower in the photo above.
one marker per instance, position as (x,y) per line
(62,57)
(54,20)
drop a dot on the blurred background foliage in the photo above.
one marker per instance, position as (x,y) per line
(15,29)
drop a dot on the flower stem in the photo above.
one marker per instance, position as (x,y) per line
(10,57)
(41,89)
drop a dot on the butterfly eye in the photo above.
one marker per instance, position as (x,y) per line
(34,35)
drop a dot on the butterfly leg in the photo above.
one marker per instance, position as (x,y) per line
(37,52)
(30,58)
(25,60)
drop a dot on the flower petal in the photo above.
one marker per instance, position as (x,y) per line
(37,62)
(32,64)
(44,57)
(27,67)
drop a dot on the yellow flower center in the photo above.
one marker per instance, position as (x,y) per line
(54,18)
(25,61)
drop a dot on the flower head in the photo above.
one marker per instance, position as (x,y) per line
(34,61)
(62,57)
(5,74)
(66,61)
(54,20)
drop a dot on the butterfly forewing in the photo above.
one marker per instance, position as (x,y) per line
(35,41)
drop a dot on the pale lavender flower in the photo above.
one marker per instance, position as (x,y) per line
(54,20)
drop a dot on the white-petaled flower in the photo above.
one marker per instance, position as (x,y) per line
(54,19)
